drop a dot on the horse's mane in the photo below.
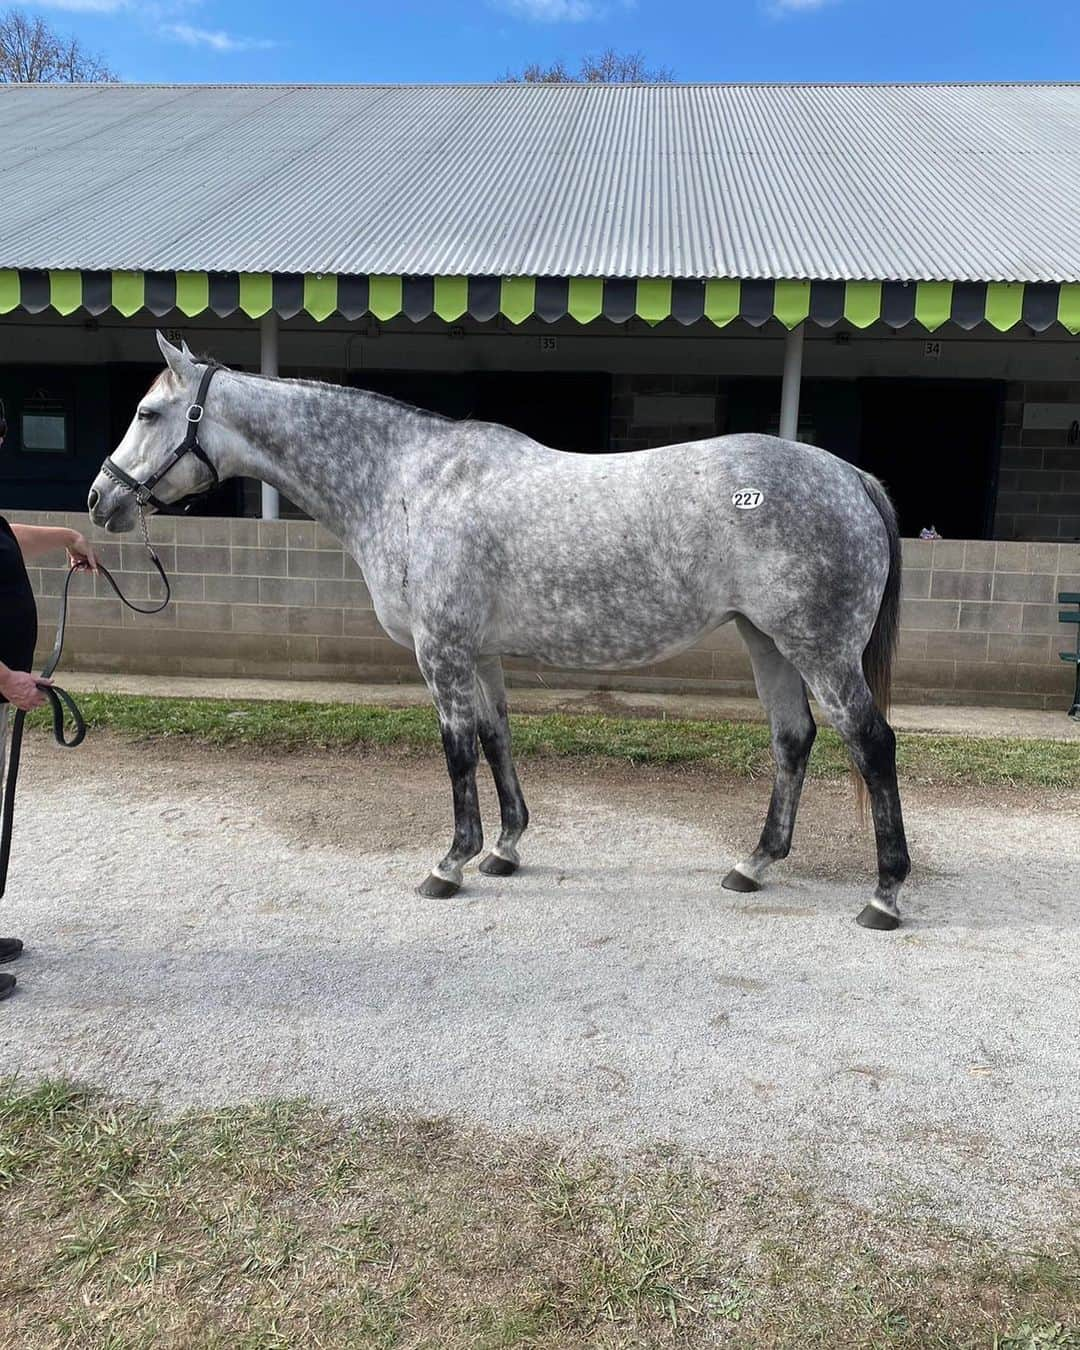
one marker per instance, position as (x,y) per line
(349,391)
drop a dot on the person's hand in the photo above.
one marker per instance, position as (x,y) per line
(23,690)
(82,555)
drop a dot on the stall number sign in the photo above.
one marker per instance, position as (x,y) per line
(932,350)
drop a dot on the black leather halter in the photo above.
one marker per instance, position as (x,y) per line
(144,492)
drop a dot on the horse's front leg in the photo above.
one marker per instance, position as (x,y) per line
(451,677)
(494,726)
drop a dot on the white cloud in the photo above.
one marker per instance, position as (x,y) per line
(796,6)
(215,38)
(552,11)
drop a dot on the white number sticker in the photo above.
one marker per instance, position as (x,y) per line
(746,499)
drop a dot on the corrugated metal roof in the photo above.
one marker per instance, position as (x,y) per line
(906,182)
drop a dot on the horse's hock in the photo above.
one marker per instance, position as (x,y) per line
(281,599)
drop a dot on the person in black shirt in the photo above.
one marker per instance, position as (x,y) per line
(18,635)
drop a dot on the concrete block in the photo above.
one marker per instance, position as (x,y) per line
(232,590)
(272,533)
(1044,558)
(978,616)
(979,555)
(956,646)
(316,563)
(204,618)
(315,621)
(88,611)
(923,675)
(201,558)
(261,618)
(1010,557)
(948,555)
(916,583)
(1034,587)
(934,615)
(960,585)
(148,624)
(350,594)
(1019,648)
(286,591)
(259,562)
(1040,619)
(985,676)
(361,623)
(300,534)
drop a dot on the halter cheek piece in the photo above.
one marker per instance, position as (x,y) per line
(144,492)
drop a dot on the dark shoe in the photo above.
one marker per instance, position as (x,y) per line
(10,948)
(7,985)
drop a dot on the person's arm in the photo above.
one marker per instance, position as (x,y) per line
(37,540)
(22,689)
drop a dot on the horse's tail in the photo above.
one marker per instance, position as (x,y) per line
(881,649)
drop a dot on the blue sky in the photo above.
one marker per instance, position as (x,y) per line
(441,40)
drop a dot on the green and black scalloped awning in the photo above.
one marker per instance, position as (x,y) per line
(930,304)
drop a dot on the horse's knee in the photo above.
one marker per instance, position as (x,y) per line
(792,745)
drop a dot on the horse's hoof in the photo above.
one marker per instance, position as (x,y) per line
(739,881)
(438,888)
(494,866)
(881,919)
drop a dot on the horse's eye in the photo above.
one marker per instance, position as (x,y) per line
(147,414)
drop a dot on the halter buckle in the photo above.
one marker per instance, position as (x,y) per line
(195,413)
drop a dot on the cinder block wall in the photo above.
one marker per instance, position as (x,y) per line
(1039,480)
(281,599)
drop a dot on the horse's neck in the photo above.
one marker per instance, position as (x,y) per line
(331,455)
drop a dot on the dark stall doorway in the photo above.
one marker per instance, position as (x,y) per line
(935,444)
(564,410)
(828,412)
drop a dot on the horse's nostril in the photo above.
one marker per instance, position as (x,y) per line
(93,499)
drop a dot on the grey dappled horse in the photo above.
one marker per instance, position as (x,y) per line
(477,543)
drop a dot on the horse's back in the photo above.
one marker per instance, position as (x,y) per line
(622,558)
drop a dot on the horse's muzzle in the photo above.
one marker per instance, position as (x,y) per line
(111,506)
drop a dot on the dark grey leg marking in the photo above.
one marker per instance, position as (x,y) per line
(451,679)
(850,707)
(494,728)
(783,694)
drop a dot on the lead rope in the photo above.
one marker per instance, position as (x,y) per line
(59,699)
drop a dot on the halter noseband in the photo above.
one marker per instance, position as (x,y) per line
(144,492)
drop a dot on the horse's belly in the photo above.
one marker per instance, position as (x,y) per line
(617,641)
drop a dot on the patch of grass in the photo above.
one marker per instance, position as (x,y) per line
(740,748)
(222,1230)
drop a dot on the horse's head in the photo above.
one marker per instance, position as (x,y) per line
(154,454)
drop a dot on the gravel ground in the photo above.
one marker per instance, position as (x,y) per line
(204,927)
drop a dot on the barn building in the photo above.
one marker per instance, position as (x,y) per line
(891,272)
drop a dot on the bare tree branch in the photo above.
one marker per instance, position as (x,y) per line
(609,67)
(33,53)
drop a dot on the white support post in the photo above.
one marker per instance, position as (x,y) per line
(268,364)
(789,395)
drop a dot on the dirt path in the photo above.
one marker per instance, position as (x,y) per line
(206,926)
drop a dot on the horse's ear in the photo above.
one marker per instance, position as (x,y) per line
(179,362)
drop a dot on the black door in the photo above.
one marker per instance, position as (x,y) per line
(935,444)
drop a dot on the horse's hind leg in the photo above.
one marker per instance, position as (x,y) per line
(783,694)
(845,698)
(494,727)
(451,677)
